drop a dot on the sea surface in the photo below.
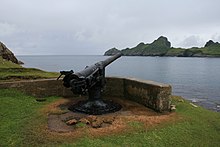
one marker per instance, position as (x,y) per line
(195,79)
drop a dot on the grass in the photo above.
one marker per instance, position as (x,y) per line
(212,50)
(17,111)
(198,127)
(21,117)
(175,51)
(8,64)
(11,71)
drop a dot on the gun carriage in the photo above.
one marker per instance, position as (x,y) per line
(91,81)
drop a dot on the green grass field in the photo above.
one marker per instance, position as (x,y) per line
(21,118)
(11,71)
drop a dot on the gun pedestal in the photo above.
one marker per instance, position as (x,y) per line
(92,80)
(95,105)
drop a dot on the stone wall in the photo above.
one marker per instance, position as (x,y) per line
(151,94)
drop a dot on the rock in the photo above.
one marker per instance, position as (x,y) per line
(20,62)
(91,118)
(84,121)
(71,122)
(172,107)
(97,123)
(108,120)
(6,54)
(193,105)
(180,100)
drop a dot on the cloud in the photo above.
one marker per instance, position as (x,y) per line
(92,27)
(7,29)
(192,41)
(216,37)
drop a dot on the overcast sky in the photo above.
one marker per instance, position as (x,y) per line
(90,27)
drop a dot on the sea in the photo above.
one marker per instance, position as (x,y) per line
(195,79)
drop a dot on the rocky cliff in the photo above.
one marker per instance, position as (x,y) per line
(6,54)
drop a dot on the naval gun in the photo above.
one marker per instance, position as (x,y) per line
(91,81)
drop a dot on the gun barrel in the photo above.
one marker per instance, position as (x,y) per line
(111,59)
(93,68)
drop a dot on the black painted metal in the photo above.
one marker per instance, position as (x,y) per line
(91,80)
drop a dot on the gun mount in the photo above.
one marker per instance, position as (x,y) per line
(91,81)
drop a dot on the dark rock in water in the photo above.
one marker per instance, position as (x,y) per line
(6,54)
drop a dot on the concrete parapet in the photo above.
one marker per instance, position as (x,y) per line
(151,94)
(39,88)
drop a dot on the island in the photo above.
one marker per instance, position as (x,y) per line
(162,47)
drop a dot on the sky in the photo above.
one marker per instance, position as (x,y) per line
(90,27)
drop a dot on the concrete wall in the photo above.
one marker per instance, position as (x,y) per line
(151,94)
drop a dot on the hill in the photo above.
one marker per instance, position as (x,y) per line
(10,69)
(6,54)
(162,47)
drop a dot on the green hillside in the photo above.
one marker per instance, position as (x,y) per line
(11,71)
(211,48)
(158,47)
(162,47)
(8,64)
